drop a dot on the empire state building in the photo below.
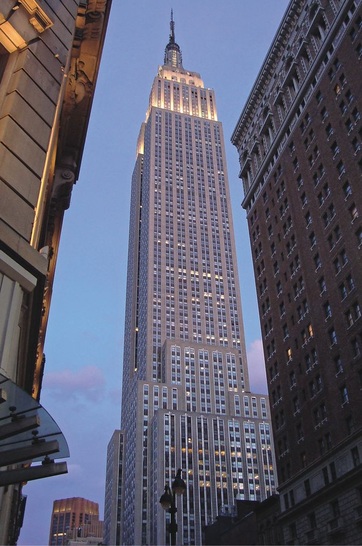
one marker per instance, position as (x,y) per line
(186,400)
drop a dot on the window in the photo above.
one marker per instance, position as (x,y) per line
(343,290)
(332,336)
(356,310)
(322,195)
(340,261)
(356,349)
(335,508)
(322,285)
(347,190)
(356,115)
(350,283)
(343,107)
(344,395)
(341,168)
(312,521)
(307,488)
(353,212)
(355,456)
(338,364)
(308,362)
(343,257)
(349,96)
(359,236)
(327,310)
(319,97)
(285,331)
(349,125)
(329,130)
(324,113)
(317,261)
(356,145)
(334,149)
(349,318)
(300,434)
(310,335)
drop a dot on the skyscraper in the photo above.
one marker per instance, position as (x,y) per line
(186,399)
(299,142)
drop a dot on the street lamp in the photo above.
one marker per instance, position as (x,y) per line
(168,502)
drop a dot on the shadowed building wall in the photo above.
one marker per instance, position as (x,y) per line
(49,58)
(299,144)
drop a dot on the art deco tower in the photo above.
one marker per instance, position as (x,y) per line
(186,398)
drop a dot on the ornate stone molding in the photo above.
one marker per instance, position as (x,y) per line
(21,22)
(38,17)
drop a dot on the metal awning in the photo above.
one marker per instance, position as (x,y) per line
(28,434)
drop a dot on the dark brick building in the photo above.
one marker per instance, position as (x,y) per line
(299,142)
(253,522)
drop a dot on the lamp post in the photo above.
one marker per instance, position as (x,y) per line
(168,502)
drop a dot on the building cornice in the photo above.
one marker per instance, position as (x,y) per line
(267,70)
(91,24)
(244,132)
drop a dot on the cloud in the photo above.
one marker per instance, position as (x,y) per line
(87,382)
(256,363)
(75,470)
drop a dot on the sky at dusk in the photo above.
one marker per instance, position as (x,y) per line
(225,41)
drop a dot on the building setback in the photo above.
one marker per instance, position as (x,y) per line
(299,143)
(186,400)
(49,58)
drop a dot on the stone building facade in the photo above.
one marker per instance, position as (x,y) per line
(49,58)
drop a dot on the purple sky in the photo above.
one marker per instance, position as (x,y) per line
(226,42)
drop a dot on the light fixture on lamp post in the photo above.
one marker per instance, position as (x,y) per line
(168,502)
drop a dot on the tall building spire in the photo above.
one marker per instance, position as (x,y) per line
(172,27)
(173,56)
